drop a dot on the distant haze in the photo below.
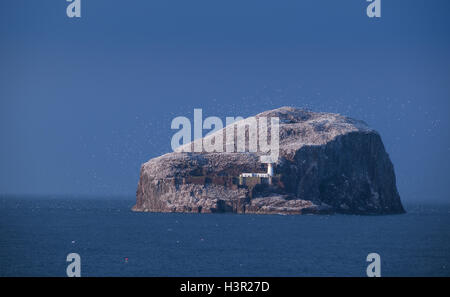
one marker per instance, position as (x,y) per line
(84,102)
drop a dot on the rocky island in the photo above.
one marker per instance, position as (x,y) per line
(327,163)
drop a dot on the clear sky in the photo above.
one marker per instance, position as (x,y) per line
(84,102)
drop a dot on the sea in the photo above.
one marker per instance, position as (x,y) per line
(37,234)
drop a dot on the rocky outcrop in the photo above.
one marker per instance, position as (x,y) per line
(327,163)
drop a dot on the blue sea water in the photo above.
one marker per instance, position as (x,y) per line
(36,235)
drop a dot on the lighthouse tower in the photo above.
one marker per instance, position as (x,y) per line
(270,169)
(270,172)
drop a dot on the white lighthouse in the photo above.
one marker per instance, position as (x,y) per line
(265,176)
(270,169)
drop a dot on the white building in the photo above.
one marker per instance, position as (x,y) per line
(269,173)
(266,175)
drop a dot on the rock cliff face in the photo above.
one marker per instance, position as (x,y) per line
(327,163)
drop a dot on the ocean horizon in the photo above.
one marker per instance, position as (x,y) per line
(37,234)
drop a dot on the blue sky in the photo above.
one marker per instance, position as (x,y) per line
(84,102)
